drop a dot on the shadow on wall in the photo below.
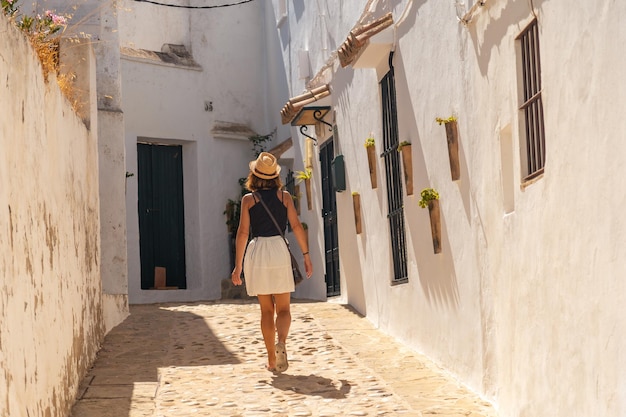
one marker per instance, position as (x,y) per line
(436,271)
(513,12)
(349,250)
(464,183)
(298,8)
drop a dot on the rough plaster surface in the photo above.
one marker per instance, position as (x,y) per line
(524,302)
(165,104)
(50,293)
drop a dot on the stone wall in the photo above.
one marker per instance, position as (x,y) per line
(51,322)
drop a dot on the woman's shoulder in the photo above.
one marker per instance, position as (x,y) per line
(284,195)
(247,199)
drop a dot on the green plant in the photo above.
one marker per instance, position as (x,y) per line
(370,141)
(9,7)
(304,175)
(233,207)
(44,26)
(258,142)
(40,30)
(427,195)
(403,144)
(444,121)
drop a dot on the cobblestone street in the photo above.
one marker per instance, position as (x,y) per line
(207,359)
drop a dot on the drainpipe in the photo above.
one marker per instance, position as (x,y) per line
(403,17)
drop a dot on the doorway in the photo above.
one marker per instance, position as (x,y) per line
(161,216)
(329,216)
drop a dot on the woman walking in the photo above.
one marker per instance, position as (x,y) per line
(267,263)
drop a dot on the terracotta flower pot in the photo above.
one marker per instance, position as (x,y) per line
(356,202)
(371,161)
(407,164)
(296,200)
(452,135)
(435,224)
(307,185)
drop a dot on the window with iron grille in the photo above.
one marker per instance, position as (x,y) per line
(391,157)
(534,151)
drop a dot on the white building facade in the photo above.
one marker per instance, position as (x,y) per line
(195,80)
(520,294)
(522,301)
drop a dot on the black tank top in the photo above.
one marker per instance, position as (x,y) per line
(261,223)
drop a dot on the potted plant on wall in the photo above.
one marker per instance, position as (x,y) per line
(407,163)
(430,199)
(306,177)
(370,146)
(452,135)
(356,203)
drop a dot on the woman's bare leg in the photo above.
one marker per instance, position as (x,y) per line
(283,315)
(268,328)
(283,322)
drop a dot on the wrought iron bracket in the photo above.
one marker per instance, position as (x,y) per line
(319,114)
(310,116)
(303,130)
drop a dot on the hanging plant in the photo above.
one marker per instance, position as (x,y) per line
(306,177)
(370,146)
(430,199)
(452,136)
(428,195)
(445,121)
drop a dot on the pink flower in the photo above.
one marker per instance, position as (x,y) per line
(59,20)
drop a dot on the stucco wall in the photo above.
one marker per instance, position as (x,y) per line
(99,23)
(165,104)
(50,297)
(523,304)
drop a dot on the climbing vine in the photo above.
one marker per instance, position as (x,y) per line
(233,206)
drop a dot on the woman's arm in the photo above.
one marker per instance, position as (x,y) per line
(298,231)
(241,240)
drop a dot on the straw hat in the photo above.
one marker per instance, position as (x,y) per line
(265,166)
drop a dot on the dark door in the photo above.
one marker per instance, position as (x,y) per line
(161,214)
(329,216)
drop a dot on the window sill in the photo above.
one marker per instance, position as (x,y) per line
(533,178)
(400,281)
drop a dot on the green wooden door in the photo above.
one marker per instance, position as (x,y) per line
(161,214)
(329,214)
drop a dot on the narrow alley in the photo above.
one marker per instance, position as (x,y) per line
(207,359)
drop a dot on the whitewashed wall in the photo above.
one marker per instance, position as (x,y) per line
(166,104)
(523,304)
(98,23)
(50,293)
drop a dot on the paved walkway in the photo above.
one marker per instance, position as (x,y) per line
(207,359)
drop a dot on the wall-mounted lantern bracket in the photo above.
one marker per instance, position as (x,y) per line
(311,116)
(303,130)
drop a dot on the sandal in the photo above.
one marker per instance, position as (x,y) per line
(281,358)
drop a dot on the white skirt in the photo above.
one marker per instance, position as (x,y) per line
(267,266)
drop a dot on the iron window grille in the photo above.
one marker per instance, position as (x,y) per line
(393,174)
(532,106)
